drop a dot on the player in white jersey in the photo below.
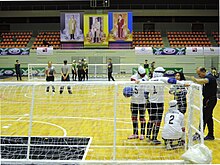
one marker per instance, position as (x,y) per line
(138,103)
(155,108)
(156,104)
(174,129)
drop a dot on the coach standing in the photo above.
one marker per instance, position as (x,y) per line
(110,70)
(18,69)
(209,98)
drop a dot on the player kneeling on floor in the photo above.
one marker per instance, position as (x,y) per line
(174,130)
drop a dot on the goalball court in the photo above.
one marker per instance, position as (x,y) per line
(92,124)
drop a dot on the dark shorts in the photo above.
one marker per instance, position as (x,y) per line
(50,78)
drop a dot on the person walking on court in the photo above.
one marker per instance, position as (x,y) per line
(110,70)
(49,72)
(65,76)
(18,69)
(209,92)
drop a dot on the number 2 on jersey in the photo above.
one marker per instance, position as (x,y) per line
(171,119)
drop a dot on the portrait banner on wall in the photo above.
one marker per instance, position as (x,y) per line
(95,30)
(120,26)
(71,27)
(169,51)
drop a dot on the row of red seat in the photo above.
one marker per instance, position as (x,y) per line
(15,39)
(52,38)
(216,36)
(186,32)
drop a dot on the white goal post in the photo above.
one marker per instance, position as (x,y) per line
(95,71)
(89,126)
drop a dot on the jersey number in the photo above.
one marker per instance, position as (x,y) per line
(154,92)
(136,90)
(171,119)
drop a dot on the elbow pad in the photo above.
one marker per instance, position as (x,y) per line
(171,81)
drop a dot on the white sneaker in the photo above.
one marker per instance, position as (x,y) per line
(168,146)
(53,93)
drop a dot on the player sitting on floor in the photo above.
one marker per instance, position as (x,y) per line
(174,130)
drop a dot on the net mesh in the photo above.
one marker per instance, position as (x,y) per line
(93,123)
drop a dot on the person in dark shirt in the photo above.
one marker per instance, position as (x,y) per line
(49,72)
(18,69)
(146,67)
(80,70)
(209,92)
(179,91)
(110,70)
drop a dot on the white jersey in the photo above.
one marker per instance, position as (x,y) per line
(156,93)
(174,122)
(139,89)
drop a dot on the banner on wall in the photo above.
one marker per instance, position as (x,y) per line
(71,27)
(120,26)
(211,50)
(169,51)
(11,71)
(143,51)
(14,51)
(194,50)
(95,30)
(44,50)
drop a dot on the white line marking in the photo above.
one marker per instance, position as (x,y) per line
(6,126)
(217,138)
(43,122)
(216,119)
(87,148)
(19,119)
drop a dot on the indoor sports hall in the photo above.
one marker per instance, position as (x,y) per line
(92,48)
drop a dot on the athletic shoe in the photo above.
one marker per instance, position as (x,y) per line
(156,142)
(196,137)
(181,143)
(168,146)
(141,137)
(209,137)
(61,92)
(70,92)
(53,93)
(148,140)
(133,137)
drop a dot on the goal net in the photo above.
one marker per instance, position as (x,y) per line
(91,125)
(36,72)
